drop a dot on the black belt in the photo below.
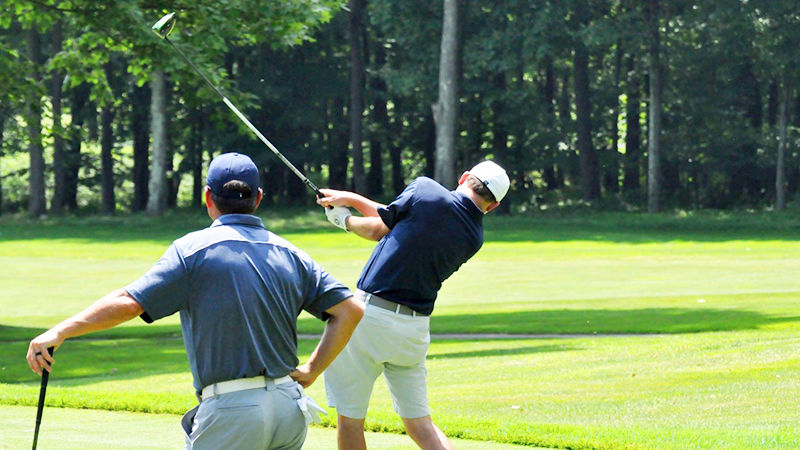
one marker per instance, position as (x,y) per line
(372,299)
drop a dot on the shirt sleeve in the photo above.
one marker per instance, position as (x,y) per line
(162,290)
(323,292)
(399,208)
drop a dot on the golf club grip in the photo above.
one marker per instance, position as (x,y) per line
(40,408)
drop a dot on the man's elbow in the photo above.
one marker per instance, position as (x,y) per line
(378,232)
(350,313)
(130,307)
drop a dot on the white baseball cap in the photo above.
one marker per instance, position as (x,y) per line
(494,177)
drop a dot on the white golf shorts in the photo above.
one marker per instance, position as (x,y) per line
(383,342)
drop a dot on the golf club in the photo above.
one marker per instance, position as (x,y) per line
(162,28)
(42,391)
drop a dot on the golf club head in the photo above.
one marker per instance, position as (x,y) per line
(165,25)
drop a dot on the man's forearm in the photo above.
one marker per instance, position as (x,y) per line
(371,228)
(365,206)
(337,332)
(107,312)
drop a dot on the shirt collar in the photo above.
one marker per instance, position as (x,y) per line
(238,219)
(470,204)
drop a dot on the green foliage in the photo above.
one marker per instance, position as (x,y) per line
(285,65)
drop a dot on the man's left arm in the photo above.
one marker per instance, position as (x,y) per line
(344,318)
(107,312)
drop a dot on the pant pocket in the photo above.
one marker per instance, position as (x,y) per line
(187,420)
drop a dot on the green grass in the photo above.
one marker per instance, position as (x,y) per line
(710,301)
(69,429)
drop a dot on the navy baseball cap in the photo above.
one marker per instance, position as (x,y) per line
(228,167)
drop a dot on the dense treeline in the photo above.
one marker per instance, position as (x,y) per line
(643,104)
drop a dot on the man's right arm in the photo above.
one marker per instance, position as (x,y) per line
(344,318)
(370,226)
(365,206)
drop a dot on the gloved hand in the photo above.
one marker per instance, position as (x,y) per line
(338,216)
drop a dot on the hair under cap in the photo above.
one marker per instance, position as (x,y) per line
(229,167)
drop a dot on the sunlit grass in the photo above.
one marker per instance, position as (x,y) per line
(711,303)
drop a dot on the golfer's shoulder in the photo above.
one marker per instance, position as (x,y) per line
(199,240)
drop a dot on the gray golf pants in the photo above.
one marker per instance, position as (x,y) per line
(263,418)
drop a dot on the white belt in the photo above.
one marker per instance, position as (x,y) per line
(241,384)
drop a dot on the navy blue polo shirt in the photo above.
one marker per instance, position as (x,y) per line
(239,289)
(433,232)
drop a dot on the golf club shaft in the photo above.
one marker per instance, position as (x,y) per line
(40,409)
(242,117)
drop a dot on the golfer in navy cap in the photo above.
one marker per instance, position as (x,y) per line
(424,236)
(238,289)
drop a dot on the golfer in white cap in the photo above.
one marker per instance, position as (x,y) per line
(424,236)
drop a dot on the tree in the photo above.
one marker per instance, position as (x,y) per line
(655,72)
(777,25)
(780,164)
(56,93)
(157,200)
(36,200)
(590,180)
(445,110)
(140,99)
(356,33)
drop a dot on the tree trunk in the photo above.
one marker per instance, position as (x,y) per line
(140,99)
(57,202)
(772,104)
(106,147)
(548,97)
(611,166)
(355,32)
(500,134)
(654,114)
(337,145)
(633,136)
(72,161)
(198,130)
(381,119)
(429,145)
(157,201)
(37,205)
(780,170)
(395,151)
(590,182)
(445,110)
(2,129)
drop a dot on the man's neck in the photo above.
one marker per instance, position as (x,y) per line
(477,199)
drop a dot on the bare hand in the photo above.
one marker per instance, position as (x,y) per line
(38,357)
(334,198)
(303,375)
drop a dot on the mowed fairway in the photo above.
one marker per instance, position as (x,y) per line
(687,327)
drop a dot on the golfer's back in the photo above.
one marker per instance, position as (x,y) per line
(239,289)
(433,232)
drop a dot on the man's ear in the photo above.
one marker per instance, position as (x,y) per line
(207,197)
(492,206)
(463,178)
(259,197)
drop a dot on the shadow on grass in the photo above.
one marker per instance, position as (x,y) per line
(602,321)
(589,226)
(82,362)
(505,351)
(13,333)
(8,333)
(140,227)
